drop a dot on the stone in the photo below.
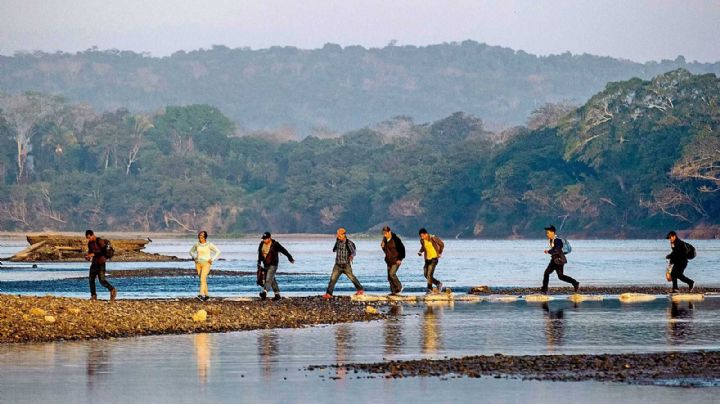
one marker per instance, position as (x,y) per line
(36,311)
(577,297)
(481,289)
(368,298)
(74,310)
(442,297)
(503,298)
(200,316)
(687,297)
(49,319)
(636,297)
(538,298)
(371,310)
(469,298)
(402,298)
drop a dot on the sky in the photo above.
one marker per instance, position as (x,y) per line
(638,30)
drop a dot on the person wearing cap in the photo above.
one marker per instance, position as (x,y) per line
(394,251)
(344,250)
(557,261)
(268,259)
(679,261)
(203,253)
(432,247)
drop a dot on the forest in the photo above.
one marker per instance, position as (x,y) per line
(638,158)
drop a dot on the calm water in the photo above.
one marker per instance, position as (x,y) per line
(465,263)
(268,365)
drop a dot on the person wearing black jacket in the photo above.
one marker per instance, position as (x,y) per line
(394,250)
(679,260)
(268,258)
(557,261)
(96,247)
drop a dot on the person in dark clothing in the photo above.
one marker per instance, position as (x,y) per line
(557,261)
(431,247)
(96,248)
(394,250)
(268,258)
(344,250)
(679,260)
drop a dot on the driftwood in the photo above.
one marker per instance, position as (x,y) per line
(61,247)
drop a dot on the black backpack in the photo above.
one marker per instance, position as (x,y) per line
(690,251)
(108,251)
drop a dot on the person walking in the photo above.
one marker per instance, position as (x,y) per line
(96,254)
(679,261)
(557,261)
(432,247)
(203,253)
(344,250)
(394,250)
(268,257)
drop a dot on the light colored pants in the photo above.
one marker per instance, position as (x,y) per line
(203,270)
(270,279)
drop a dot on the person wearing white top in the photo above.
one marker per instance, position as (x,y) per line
(203,253)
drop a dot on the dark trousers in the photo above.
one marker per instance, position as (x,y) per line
(677,273)
(395,284)
(338,270)
(98,271)
(429,271)
(553,267)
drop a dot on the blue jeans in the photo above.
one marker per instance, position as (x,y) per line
(270,279)
(338,270)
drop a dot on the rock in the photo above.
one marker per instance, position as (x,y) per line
(538,298)
(481,289)
(443,297)
(469,298)
(49,319)
(36,311)
(371,310)
(584,298)
(401,298)
(503,298)
(687,297)
(636,297)
(74,310)
(368,298)
(200,316)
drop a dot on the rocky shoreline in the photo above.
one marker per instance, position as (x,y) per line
(44,319)
(667,368)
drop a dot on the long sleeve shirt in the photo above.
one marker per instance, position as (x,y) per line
(344,251)
(204,252)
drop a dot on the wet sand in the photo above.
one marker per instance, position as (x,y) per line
(45,319)
(670,368)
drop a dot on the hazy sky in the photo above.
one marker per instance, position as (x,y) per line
(640,30)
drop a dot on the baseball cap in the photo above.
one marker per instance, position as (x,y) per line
(266,235)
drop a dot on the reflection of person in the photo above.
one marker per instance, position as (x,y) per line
(392,331)
(96,246)
(98,362)
(679,322)
(203,253)
(679,260)
(394,250)
(554,325)
(202,356)
(343,345)
(431,330)
(267,350)
(268,251)
(344,250)
(432,247)
(557,261)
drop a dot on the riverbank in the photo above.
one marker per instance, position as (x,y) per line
(667,368)
(45,319)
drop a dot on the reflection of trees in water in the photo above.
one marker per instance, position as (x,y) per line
(202,356)
(392,331)
(679,325)
(554,326)
(267,350)
(431,332)
(97,362)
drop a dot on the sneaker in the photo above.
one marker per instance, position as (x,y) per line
(360,293)
(113,294)
(276,297)
(429,292)
(401,290)
(440,287)
(675,291)
(327,296)
(93,297)
(691,285)
(576,286)
(200,297)
(206,298)
(263,295)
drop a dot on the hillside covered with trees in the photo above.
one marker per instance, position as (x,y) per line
(638,158)
(332,89)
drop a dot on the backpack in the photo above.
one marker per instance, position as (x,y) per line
(108,251)
(567,248)
(690,251)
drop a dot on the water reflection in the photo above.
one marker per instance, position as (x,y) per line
(392,331)
(679,325)
(268,349)
(97,363)
(202,344)
(554,326)
(431,331)
(343,347)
